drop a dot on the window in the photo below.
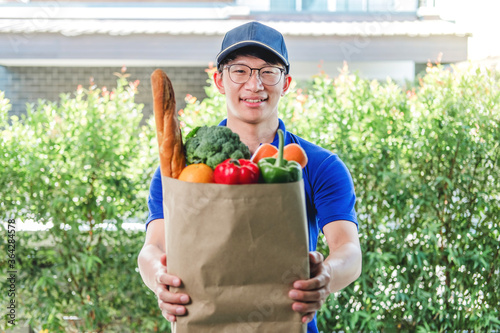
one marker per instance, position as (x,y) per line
(283,5)
(344,5)
(299,5)
(315,5)
(376,5)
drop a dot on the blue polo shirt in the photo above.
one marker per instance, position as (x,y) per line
(328,185)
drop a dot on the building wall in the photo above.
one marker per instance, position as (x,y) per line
(121,1)
(23,84)
(27,84)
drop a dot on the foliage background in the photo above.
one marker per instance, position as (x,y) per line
(82,168)
(424,161)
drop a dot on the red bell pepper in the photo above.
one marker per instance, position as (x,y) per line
(233,171)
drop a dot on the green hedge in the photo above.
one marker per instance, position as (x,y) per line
(424,160)
(82,168)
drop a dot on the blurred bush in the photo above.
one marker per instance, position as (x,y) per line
(80,167)
(424,160)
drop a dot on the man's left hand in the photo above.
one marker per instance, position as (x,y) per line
(309,295)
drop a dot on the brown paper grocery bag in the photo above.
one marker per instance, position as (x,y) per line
(237,250)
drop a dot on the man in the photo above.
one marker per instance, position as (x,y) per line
(253,73)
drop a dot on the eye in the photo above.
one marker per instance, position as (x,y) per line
(269,71)
(240,70)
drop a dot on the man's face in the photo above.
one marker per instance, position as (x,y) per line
(252,101)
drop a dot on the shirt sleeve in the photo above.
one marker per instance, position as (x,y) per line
(334,196)
(155,198)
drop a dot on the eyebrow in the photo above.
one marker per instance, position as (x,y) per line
(266,65)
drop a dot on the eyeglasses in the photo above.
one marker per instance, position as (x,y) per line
(268,75)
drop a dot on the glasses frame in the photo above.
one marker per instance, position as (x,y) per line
(282,70)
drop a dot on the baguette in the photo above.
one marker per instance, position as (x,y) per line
(168,131)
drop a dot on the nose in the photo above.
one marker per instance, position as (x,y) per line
(254,83)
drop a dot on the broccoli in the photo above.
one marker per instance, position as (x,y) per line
(212,145)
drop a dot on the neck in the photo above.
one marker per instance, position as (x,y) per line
(254,134)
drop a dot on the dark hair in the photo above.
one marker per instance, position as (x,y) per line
(252,51)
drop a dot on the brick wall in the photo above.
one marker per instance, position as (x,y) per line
(27,84)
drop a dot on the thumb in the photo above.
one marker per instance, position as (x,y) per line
(163,259)
(316,257)
(315,261)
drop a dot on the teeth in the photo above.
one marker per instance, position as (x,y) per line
(254,100)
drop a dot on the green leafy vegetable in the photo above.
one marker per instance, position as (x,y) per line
(213,145)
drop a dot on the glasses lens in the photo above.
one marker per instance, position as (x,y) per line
(270,75)
(242,73)
(239,73)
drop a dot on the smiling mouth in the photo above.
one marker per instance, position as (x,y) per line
(254,100)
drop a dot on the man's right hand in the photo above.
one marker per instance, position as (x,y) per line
(171,304)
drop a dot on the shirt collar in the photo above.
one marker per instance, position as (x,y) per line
(275,142)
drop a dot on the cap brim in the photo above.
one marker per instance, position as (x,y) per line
(223,54)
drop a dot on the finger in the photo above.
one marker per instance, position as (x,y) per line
(163,259)
(169,280)
(306,308)
(172,309)
(173,298)
(315,283)
(168,316)
(308,317)
(308,296)
(160,288)
(316,257)
(316,260)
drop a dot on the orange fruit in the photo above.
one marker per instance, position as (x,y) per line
(197,173)
(264,150)
(294,152)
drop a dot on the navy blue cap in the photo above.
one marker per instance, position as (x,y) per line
(254,34)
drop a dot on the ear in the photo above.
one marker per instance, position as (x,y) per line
(286,85)
(218,82)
